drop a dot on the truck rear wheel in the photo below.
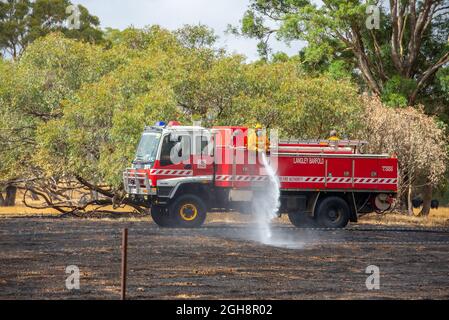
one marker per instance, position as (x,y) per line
(333,212)
(189,211)
(161,217)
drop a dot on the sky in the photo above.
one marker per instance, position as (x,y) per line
(173,14)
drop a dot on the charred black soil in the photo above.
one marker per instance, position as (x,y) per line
(219,261)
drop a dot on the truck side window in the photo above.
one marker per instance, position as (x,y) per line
(183,148)
(167,146)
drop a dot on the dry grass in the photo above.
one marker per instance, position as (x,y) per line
(20,210)
(437,218)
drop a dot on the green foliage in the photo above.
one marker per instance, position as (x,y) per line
(443,78)
(398,61)
(139,40)
(98,132)
(280,57)
(339,69)
(397,90)
(51,70)
(79,109)
(24,21)
(196,36)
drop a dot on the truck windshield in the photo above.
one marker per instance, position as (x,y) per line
(148,146)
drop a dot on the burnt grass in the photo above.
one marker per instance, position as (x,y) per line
(220,261)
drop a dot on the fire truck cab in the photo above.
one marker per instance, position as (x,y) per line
(184,172)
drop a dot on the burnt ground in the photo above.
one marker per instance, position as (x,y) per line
(220,261)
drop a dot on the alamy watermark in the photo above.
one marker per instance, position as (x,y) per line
(186,144)
(373,19)
(373,280)
(73,21)
(72,282)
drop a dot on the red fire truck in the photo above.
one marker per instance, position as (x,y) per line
(184,172)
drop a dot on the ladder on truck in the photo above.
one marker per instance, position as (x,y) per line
(298,145)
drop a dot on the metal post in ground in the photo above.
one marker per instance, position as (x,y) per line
(124,261)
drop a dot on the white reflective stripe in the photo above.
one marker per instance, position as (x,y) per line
(285,179)
(172,172)
(339,180)
(297,179)
(228,178)
(302,179)
(375,181)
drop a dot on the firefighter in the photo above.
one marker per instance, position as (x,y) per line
(334,136)
(257,140)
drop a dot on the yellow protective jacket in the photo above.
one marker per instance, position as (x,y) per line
(258,143)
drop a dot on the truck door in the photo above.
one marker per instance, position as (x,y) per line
(175,160)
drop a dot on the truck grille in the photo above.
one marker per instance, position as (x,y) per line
(136,182)
(164,191)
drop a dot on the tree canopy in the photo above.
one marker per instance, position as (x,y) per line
(72,112)
(398,59)
(77,110)
(24,21)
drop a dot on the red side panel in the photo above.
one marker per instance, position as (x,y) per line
(388,175)
(301,172)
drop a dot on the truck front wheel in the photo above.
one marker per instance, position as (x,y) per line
(189,211)
(161,217)
(333,212)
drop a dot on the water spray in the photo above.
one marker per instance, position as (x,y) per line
(267,203)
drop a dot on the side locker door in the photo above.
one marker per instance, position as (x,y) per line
(339,173)
(366,174)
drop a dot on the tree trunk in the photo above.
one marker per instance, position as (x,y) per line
(10,200)
(427,199)
(2,200)
(409,201)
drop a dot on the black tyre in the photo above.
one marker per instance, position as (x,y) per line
(161,217)
(301,220)
(188,211)
(333,212)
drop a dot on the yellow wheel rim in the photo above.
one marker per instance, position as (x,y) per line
(188,212)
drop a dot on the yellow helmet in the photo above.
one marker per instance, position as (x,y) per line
(259,126)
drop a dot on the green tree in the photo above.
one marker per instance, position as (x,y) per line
(95,138)
(411,44)
(196,36)
(32,91)
(73,112)
(24,21)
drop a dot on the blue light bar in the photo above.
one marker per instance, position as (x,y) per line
(160,124)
